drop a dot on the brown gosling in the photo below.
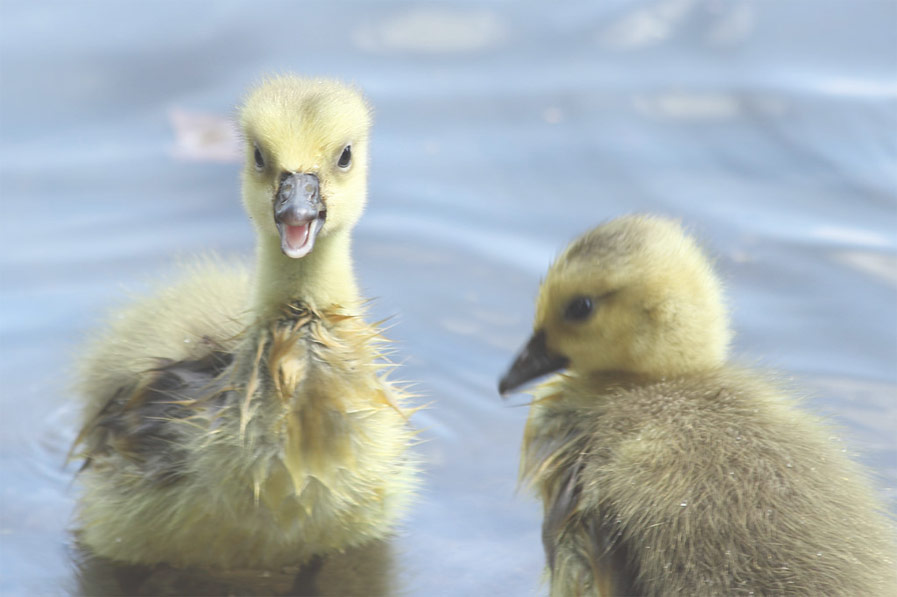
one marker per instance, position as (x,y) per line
(246,421)
(663,469)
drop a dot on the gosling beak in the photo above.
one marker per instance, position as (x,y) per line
(299,213)
(535,360)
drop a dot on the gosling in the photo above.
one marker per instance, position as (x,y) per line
(237,421)
(663,470)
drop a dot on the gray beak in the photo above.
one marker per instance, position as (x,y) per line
(299,213)
(533,361)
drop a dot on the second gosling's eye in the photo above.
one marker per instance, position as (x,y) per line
(579,309)
(345,158)
(259,158)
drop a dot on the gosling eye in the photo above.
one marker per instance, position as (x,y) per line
(259,159)
(579,309)
(345,158)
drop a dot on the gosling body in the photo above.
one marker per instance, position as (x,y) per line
(663,469)
(241,419)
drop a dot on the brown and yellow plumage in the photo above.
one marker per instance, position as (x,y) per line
(247,421)
(279,442)
(662,469)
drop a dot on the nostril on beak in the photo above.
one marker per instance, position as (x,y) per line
(299,186)
(298,199)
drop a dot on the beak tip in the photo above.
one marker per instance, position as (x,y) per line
(503,387)
(534,361)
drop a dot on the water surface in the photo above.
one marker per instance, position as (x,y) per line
(502,131)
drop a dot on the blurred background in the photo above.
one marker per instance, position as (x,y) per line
(502,131)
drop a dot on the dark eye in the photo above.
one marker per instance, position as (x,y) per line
(578,309)
(345,159)
(259,160)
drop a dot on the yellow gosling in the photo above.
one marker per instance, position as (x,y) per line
(663,469)
(245,420)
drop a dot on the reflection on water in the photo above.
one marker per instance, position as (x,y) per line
(880,265)
(432,30)
(501,132)
(366,570)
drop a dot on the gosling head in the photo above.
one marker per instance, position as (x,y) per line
(633,296)
(306,160)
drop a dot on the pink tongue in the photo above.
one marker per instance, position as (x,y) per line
(297,235)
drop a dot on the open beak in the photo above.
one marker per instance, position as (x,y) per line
(299,213)
(535,360)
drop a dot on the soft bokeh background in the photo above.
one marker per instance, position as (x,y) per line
(502,131)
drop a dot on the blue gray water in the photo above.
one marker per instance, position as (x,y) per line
(502,131)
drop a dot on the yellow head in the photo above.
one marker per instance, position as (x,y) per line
(634,296)
(305,173)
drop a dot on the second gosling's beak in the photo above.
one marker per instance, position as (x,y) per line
(299,213)
(535,360)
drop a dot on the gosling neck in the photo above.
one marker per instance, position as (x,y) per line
(322,279)
(605,381)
